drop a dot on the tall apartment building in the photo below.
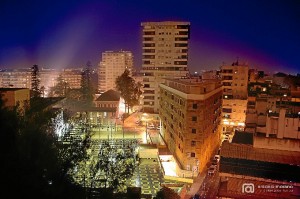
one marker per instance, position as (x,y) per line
(235,92)
(165,55)
(21,78)
(15,78)
(190,111)
(112,65)
(72,77)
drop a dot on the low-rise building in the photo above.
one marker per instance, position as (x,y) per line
(247,171)
(13,97)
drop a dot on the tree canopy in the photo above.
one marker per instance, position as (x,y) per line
(129,90)
(166,193)
(33,163)
(86,87)
(60,89)
(35,81)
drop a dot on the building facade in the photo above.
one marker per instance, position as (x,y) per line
(235,92)
(190,112)
(165,55)
(16,78)
(13,97)
(112,65)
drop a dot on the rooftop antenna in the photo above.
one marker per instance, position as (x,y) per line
(237,61)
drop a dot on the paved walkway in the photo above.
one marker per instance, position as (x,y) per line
(196,185)
(149,177)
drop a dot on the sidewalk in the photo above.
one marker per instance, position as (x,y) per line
(196,185)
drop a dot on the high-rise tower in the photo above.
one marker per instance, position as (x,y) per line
(165,55)
(112,65)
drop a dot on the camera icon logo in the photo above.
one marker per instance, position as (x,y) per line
(248,188)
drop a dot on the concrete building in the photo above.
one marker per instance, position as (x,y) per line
(212,74)
(263,161)
(190,112)
(249,171)
(15,78)
(112,65)
(109,104)
(15,96)
(21,78)
(72,77)
(165,55)
(235,92)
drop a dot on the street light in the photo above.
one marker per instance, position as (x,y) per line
(145,119)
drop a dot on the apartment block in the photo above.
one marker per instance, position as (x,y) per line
(190,112)
(112,65)
(72,77)
(15,78)
(235,92)
(165,55)
(263,160)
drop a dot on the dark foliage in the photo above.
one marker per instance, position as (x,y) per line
(31,165)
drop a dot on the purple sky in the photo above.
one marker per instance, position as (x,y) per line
(60,34)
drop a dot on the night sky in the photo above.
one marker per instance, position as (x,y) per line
(61,34)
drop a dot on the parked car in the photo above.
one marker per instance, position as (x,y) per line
(217,158)
(215,162)
(138,121)
(211,170)
(196,196)
(150,126)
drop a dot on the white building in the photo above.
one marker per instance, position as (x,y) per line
(235,92)
(112,65)
(165,55)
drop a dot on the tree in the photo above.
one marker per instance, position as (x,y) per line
(43,91)
(34,166)
(129,90)
(166,193)
(61,89)
(35,81)
(86,85)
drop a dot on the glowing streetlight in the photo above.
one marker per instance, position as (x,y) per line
(145,118)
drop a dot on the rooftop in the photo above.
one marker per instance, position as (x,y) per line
(110,95)
(243,138)
(11,89)
(242,151)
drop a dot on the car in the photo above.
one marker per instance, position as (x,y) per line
(196,196)
(211,170)
(150,126)
(138,121)
(217,158)
(215,162)
(158,127)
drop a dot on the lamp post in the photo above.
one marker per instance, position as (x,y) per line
(146,131)
(123,119)
(145,119)
(111,131)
